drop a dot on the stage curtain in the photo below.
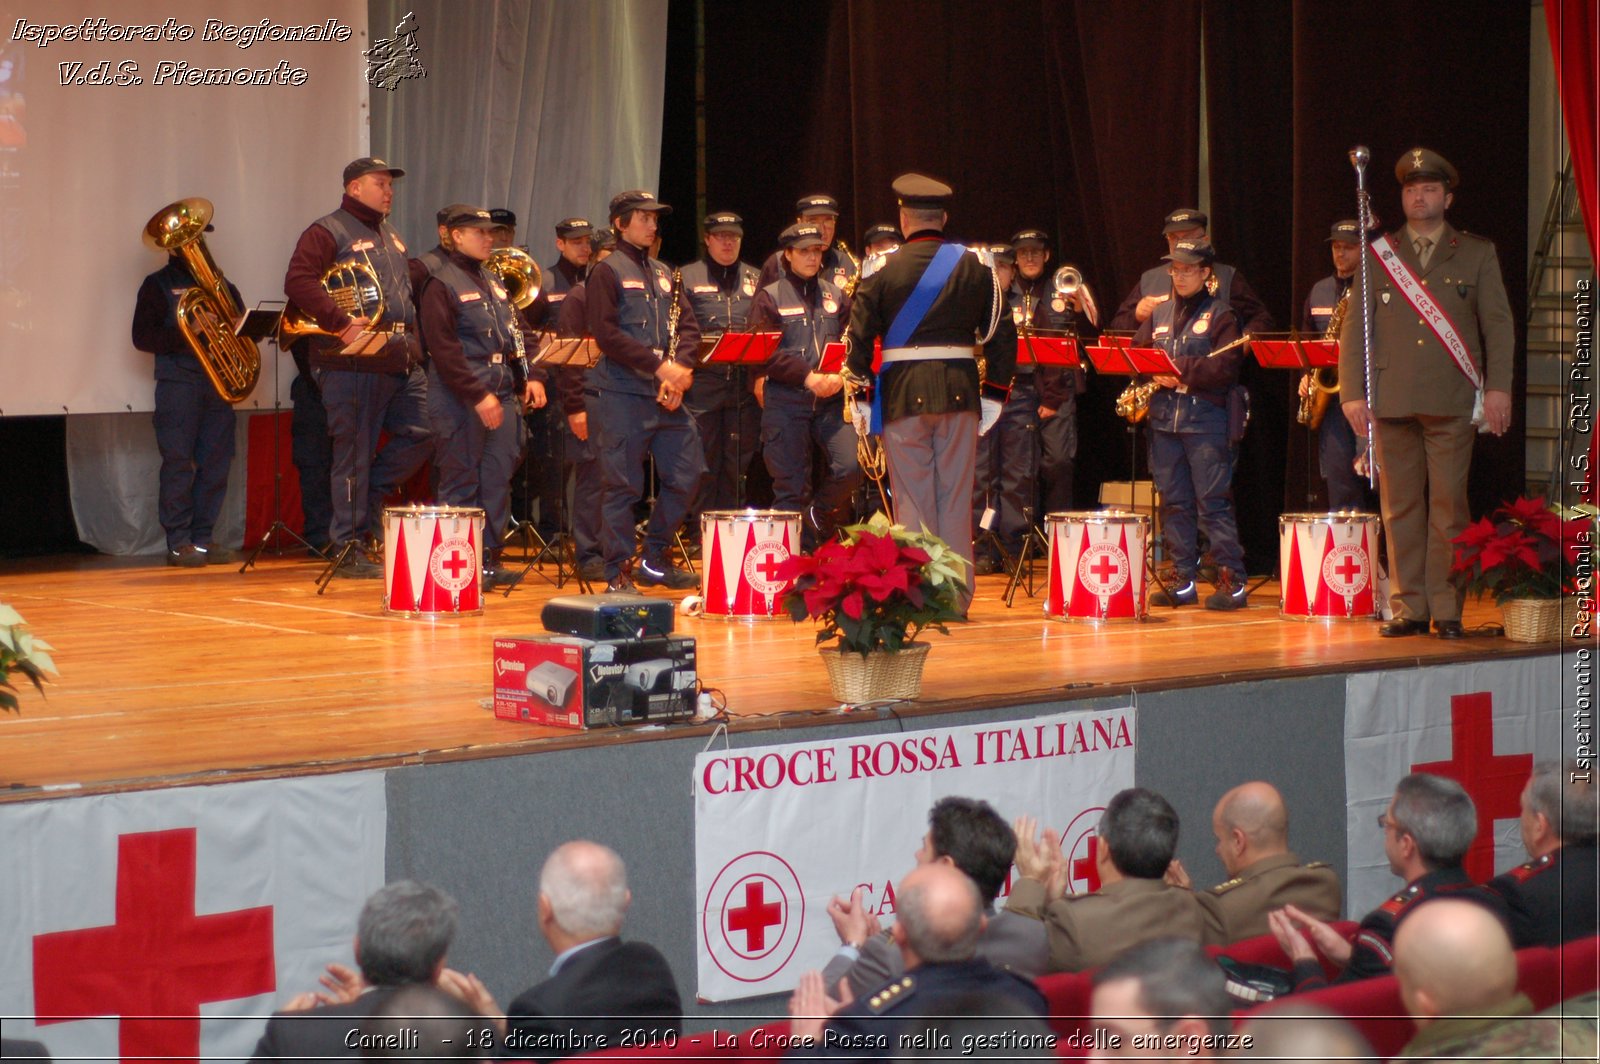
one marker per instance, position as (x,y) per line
(1574,27)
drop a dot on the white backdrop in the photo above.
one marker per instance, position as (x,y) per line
(781,829)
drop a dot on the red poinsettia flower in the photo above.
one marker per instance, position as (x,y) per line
(852,605)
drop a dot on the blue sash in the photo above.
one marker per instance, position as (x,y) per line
(914,310)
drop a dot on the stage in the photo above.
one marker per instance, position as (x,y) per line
(175,676)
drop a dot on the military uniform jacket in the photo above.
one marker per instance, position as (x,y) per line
(967,310)
(1010,941)
(1550,900)
(1238,909)
(1088,930)
(1372,949)
(1412,371)
(870,1025)
(1511,1031)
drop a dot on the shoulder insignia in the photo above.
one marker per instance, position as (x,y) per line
(1524,872)
(1223,888)
(1377,945)
(885,998)
(1397,903)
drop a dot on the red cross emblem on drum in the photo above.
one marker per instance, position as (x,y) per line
(742,552)
(1326,562)
(761,566)
(453,564)
(1097,570)
(752,916)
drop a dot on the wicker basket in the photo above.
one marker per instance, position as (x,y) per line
(881,676)
(1532,620)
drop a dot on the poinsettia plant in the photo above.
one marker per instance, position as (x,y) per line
(876,586)
(20,652)
(1524,550)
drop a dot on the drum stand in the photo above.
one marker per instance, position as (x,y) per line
(326,576)
(1032,542)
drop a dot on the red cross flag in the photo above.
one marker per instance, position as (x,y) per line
(1482,725)
(168,923)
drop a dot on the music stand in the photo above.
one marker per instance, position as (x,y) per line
(738,349)
(577,352)
(1291,351)
(1037,347)
(257,325)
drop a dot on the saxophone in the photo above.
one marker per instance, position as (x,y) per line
(1324,382)
(1133,405)
(854,280)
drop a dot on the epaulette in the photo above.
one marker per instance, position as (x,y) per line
(880,1002)
(1397,903)
(1222,888)
(1524,872)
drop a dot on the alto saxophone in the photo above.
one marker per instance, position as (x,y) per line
(1133,405)
(1323,383)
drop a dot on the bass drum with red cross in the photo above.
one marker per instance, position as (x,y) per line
(1097,570)
(740,553)
(1328,564)
(431,561)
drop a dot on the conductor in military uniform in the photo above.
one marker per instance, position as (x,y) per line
(1441,336)
(930,303)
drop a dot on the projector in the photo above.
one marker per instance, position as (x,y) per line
(551,682)
(614,616)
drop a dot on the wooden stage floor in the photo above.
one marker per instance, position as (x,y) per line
(177,676)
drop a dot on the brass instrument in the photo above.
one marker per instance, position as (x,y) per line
(207,312)
(517,273)
(1066,281)
(1324,381)
(673,315)
(854,280)
(353,287)
(1133,405)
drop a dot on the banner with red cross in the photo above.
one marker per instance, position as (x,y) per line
(1482,725)
(779,830)
(170,923)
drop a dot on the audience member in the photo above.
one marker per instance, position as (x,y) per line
(1302,1032)
(1551,898)
(980,1026)
(970,835)
(940,920)
(1251,824)
(423,1022)
(1427,829)
(1137,837)
(1162,998)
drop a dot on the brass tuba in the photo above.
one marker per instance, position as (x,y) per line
(518,274)
(206,312)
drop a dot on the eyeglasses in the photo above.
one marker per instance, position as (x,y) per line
(1385,822)
(1185,271)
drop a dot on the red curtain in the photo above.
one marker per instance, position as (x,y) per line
(1575,45)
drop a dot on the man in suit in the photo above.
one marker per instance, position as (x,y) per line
(599,985)
(424,1023)
(970,835)
(402,936)
(1551,897)
(941,919)
(1251,825)
(1441,336)
(1137,836)
(1165,996)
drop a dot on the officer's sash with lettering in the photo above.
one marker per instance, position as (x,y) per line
(1432,313)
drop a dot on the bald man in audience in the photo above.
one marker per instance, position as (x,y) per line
(940,918)
(1251,825)
(1302,1032)
(1458,979)
(1551,897)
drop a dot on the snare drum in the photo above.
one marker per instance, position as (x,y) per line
(1097,566)
(1327,565)
(740,551)
(431,561)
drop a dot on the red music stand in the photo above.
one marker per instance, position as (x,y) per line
(1117,356)
(1041,347)
(832,358)
(1291,351)
(738,348)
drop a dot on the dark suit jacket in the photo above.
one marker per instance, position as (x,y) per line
(608,988)
(318,1034)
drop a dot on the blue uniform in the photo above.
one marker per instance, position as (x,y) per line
(719,399)
(1191,458)
(1336,440)
(810,315)
(194,425)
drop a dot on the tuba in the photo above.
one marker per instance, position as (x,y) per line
(1324,382)
(206,312)
(517,273)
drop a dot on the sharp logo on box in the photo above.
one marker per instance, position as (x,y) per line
(503,666)
(600,672)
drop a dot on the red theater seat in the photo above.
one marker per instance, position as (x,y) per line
(1373,1006)
(1067,994)
(1264,949)
(1580,966)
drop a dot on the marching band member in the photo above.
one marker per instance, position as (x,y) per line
(1336,440)
(1441,334)
(1191,457)
(571,266)
(929,381)
(474,386)
(582,459)
(439,254)
(879,238)
(368,394)
(1189,224)
(721,289)
(838,265)
(648,339)
(802,403)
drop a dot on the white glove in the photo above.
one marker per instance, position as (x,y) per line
(988,415)
(861,418)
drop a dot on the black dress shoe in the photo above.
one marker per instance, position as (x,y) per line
(1449,629)
(1404,626)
